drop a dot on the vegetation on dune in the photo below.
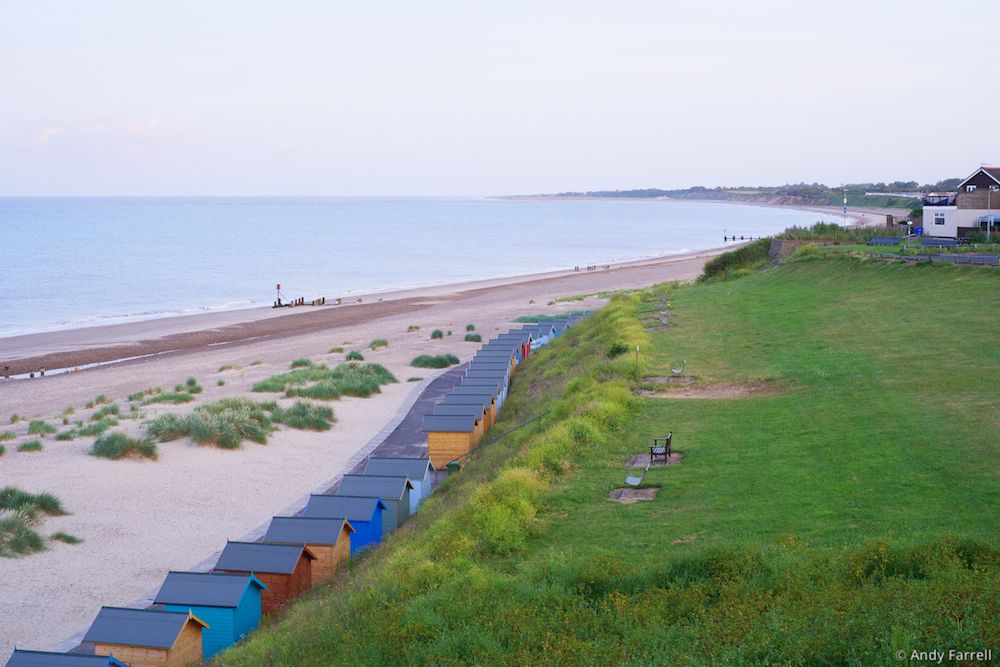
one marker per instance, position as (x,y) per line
(436,361)
(470,327)
(7,435)
(354,355)
(3,450)
(303,415)
(336,350)
(824,521)
(14,418)
(40,427)
(377,343)
(101,399)
(141,395)
(412,328)
(473,338)
(190,386)
(66,538)
(737,263)
(319,381)
(106,411)
(169,397)
(68,434)
(20,514)
(302,363)
(437,334)
(13,498)
(229,367)
(96,428)
(30,446)
(119,445)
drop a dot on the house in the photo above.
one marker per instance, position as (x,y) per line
(22,658)
(363,513)
(328,539)
(974,207)
(229,603)
(147,638)
(449,437)
(285,569)
(477,410)
(393,491)
(420,472)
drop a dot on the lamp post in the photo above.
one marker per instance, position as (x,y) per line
(989,211)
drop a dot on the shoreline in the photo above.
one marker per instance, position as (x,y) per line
(92,347)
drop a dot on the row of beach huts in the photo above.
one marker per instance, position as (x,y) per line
(198,614)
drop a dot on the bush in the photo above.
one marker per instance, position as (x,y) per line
(7,435)
(13,498)
(220,383)
(172,398)
(437,334)
(16,536)
(617,349)
(96,428)
(437,361)
(40,427)
(354,355)
(301,363)
(377,343)
(30,446)
(751,256)
(68,434)
(470,327)
(320,382)
(101,400)
(119,445)
(336,350)
(140,395)
(473,338)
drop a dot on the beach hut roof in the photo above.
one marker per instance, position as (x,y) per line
(138,627)
(459,409)
(514,334)
(492,383)
(498,347)
(490,363)
(468,399)
(382,486)
(306,530)
(480,372)
(262,557)
(449,423)
(352,508)
(22,658)
(475,390)
(205,589)
(396,466)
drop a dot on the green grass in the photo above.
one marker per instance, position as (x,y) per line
(68,434)
(437,334)
(308,416)
(14,418)
(141,395)
(190,386)
(571,299)
(3,450)
(7,435)
(354,355)
(470,327)
(336,350)
(119,445)
(436,361)
(302,363)
(220,383)
(321,382)
(95,428)
(101,399)
(229,367)
(13,498)
(40,427)
(473,338)
(414,379)
(105,412)
(169,397)
(66,538)
(845,514)
(535,319)
(17,535)
(30,446)
(377,343)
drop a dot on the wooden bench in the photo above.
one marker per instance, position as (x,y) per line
(661,448)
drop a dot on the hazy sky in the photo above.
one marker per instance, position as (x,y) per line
(437,98)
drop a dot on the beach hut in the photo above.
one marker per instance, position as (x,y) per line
(229,603)
(22,658)
(498,347)
(448,437)
(478,373)
(542,334)
(147,638)
(286,569)
(488,404)
(463,410)
(420,472)
(328,539)
(363,513)
(497,356)
(393,491)
(493,385)
(523,338)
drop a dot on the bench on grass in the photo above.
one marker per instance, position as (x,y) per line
(661,448)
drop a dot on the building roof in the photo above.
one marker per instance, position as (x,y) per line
(492,383)
(382,486)
(384,465)
(205,589)
(499,347)
(519,335)
(306,530)
(262,557)
(22,658)
(352,508)
(138,627)
(489,363)
(486,401)
(449,423)
(992,172)
(459,409)
(474,390)
(490,373)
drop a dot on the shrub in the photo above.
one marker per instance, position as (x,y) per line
(119,445)
(806,250)
(140,395)
(97,428)
(69,410)
(336,350)
(305,416)
(220,383)
(377,343)
(617,349)
(7,435)
(230,367)
(301,363)
(437,361)
(751,256)
(470,327)
(66,537)
(437,334)
(473,338)
(13,498)
(354,355)
(14,418)
(40,427)
(190,386)
(101,400)
(30,446)
(68,434)
(225,423)
(104,412)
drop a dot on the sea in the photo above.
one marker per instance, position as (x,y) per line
(79,262)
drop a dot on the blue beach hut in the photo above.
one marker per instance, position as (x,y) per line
(420,472)
(394,492)
(229,603)
(363,513)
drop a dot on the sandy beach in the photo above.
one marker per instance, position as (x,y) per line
(139,519)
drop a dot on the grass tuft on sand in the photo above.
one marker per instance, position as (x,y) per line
(40,427)
(66,538)
(377,343)
(120,445)
(473,338)
(323,383)
(435,361)
(30,446)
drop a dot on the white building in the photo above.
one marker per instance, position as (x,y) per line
(954,214)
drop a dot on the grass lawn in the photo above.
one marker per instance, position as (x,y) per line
(848,513)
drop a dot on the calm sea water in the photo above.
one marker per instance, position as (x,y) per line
(72,262)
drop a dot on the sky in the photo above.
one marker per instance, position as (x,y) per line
(227,97)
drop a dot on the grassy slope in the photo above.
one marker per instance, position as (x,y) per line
(849,516)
